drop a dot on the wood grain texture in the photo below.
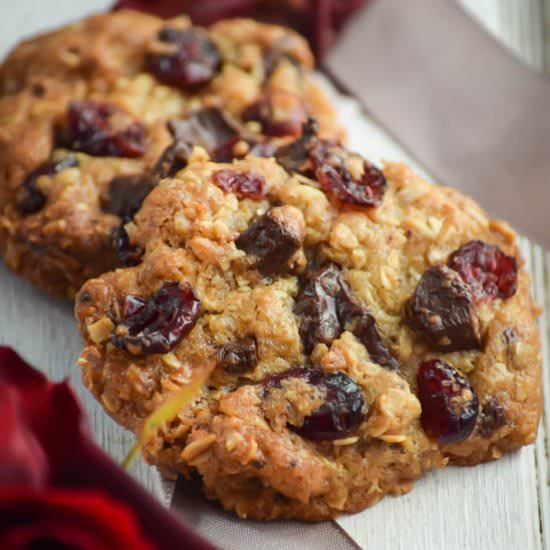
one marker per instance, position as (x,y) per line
(503,505)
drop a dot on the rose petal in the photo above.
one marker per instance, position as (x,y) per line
(47,413)
(50,416)
(14,371)
(22,459)
(88,520)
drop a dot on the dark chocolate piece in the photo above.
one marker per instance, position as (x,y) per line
(367,333)
(492,417)
(272,239)
(210,128)
(294,157)
(442,310)
(239,356)
(127,193)
(173,159)
(316,307)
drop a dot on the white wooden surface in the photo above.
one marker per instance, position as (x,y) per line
(503,505)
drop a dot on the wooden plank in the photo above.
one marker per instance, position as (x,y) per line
(541,289)
(525,28)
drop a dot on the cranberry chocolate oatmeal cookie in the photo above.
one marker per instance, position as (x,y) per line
(357,327)
(94,114)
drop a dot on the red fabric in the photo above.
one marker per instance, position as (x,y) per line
(317,20)
(55,483)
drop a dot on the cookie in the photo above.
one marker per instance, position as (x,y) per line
(94,114)
(357,328)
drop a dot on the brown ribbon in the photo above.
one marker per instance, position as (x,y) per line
(474,116)
(231,533)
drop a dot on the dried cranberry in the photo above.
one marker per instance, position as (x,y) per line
(244,184)
(210,128)
(103,129)
(127,193)
(449,403)
(329,164)
(157,325)
(132,305)
(341,413)
(266,112)
(188,59)
(128,254)
(239,356)
(29,198)
(490,272)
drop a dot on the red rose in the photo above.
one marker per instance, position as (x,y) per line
(57,488)
(65,518)
(317,20)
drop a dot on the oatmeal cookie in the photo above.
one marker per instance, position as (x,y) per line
(94,114)
(357,327)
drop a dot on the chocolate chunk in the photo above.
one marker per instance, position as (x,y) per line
(316,307)
(279,52)
(173,159)
(84,297)
(127,193)
(492,417)
(273,238)
(239,356)
(279,113)
(326,307)
(294,157)
(210,128)
(264,148)
(128,253)
(367,333)
(442,310)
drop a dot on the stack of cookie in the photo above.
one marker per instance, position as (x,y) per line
(357,325)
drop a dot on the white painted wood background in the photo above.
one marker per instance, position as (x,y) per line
(502,505)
